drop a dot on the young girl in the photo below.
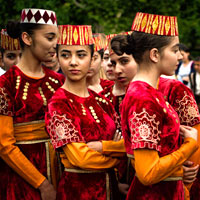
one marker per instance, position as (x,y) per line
(77,116)
(10,50)
(27,158)
(148,121)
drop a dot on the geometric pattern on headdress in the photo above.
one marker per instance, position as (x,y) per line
(155,24)
(8,43)
(75,35)
(38,16)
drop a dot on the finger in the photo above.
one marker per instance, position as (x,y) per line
(188,163)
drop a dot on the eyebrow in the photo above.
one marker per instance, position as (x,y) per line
(176,45)
(79,51)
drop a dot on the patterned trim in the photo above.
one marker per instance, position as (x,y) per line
(144,130)
(187,110)
(4,102)
(62,130)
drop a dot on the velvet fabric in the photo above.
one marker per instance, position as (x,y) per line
(106,83)
(12,89)
(71,118)
(148,121)
(182,100)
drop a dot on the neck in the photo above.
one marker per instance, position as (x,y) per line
(30,65)
(118,89)
(150,76)
(78,88)
(94,80)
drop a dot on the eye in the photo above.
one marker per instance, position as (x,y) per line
(11,56)
(64,55)
(106,58)
(113,63)
(124,61)
(81,55)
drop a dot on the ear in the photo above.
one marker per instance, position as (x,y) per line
(154,55)
(27,38)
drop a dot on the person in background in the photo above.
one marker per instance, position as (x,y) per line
(53,64)
(82,124)
(28,162)
(94,81)
(194,78)
(2,71)
(10,50)
(186,65)
(150,125)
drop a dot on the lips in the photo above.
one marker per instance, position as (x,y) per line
(121,79)
(74,71)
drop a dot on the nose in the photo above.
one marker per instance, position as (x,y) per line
(17,60)
(109,64)
(73,60)
(118,69)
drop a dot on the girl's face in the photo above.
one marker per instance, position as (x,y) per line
(75,61)
(44,42)
(10,58)
(95,65)
(107,66)
(185,55)
(125,67)
(169,58)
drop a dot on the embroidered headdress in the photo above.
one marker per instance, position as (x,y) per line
(155,24)
(38,16)
(9,43)
(75,35)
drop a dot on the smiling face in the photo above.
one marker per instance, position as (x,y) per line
(75,61)
(125,67)
(44,40)
(10,58)
(169,57)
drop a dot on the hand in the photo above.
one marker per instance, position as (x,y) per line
(189,172)
(117,136)
(187,131)
(123,188)
(96,146)
(47,191)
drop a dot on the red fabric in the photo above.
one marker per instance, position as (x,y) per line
(68,116)
(72,186)
(66,123)
(181,99)
(106,83)
(149,122)
(12,185)
(164,190)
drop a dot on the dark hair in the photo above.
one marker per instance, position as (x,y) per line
(197,58)
(2,50)
(138,43)
(15,29)
(101,52)
(183,47)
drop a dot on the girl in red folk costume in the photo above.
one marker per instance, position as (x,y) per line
(94,81)
(148,121)
(27,157)
(182,100)
(77,116)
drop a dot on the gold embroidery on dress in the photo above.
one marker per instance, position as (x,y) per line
(17,82)
(4,102)
(144,127)
(187,110)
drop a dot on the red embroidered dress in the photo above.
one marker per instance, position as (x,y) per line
(71,122)
(23,140)
(149,122)
(182,100)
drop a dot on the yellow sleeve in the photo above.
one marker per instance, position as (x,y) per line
(80,155)
(114,149)
(12,155)
(151,169)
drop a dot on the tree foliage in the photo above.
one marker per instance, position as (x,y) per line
(113,16)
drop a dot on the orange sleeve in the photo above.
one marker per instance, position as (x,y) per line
(114,149)
(195,156)
(12,155)
(80,155)
(151,169)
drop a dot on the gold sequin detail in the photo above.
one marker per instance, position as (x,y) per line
(50,87)
(53,80)
(164,110)
(43,97)
(94,114)
(25,91)
(17,82)
(83,109)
